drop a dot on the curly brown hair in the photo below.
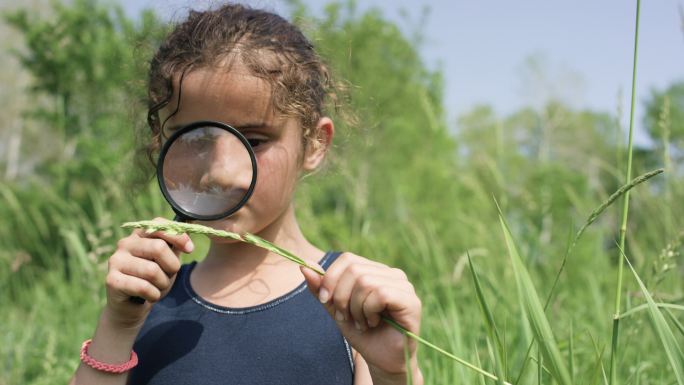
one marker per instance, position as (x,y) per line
(268,45)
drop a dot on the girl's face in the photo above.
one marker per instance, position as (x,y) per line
(235,97)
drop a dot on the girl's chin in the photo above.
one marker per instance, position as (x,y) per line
(228,224)
(224,241)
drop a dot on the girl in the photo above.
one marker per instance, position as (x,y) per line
(243,315)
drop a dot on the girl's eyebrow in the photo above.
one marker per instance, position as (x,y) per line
(241,127)
(248,126)
(174,127)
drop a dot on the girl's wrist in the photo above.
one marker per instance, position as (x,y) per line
(113,341)
(125,326)
(122,324)
(381,377)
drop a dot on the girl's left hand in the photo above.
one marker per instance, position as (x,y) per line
(357,292)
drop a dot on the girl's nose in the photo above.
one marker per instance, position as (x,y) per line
(228,167)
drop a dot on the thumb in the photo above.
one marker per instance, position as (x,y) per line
(313,279)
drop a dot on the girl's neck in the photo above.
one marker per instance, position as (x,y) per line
(235,263)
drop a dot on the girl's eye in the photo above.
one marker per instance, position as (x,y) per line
(255,142)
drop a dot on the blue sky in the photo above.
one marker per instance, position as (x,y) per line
(581,49)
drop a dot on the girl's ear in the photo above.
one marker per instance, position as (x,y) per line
(315,151)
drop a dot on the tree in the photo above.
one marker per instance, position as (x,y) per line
(665,119)
(397,163)
(87,65)
(85,62)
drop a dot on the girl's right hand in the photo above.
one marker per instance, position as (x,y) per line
(143,265)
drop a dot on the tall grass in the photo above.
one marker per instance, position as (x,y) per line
(49,313)
(625,211)
(532,307)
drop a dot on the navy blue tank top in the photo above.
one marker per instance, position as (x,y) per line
(289,340)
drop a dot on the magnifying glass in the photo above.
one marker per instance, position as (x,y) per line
(206,171)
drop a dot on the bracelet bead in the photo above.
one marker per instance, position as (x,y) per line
(104,367)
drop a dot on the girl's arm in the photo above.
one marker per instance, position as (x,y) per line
(362,374)
(112,343)
(357,293)
(143,265)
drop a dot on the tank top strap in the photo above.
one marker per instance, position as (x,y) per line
(329,258)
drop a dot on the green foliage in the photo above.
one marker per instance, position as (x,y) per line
(654,106)
(663,331)
(401,140)
(536,316)
(404,187)
(87,60)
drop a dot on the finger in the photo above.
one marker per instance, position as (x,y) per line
(366,275)
(154,249)
(178,242)
(341,294)
(313,279)
(363,287)
(349,278)
(132,286)
(345,326)
(359,294)
(147,270)
(396,304)
(335,271)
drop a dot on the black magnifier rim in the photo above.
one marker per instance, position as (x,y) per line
(180,212)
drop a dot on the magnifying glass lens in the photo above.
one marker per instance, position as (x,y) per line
(207,172)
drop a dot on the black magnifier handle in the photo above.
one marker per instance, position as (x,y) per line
(140,300)
(137,300)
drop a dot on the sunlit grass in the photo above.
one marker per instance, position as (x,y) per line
(424,207)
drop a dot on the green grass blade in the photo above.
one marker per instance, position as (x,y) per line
(479,363)
(675,321)
(614,339)
(260,242)
(599,371)
(540,363)
(535,312)
(494,356)
(662,330)
(528,358)
(613,197)
(571,354)
(491,326)
(625,209)
(644,306)
(440,350)
(407,359)
(592,218)
(180,228)
(191,228)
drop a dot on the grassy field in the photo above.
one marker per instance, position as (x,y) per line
(49,309)
(409,189)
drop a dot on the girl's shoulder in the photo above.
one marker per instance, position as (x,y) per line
(329,258)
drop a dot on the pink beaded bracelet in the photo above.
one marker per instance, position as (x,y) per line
(101,366)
